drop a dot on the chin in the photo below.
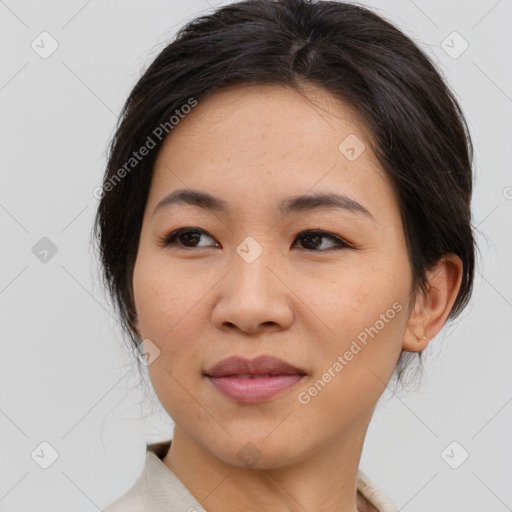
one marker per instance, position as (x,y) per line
(257,452)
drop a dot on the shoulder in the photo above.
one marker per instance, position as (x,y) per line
(140,496)
(370,497)
(156,488)
(135,499)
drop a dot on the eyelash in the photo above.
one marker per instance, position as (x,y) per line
(169,240)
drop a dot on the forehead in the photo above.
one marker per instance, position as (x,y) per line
(268,140)
(274,112)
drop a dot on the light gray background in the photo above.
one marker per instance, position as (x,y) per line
(66,378)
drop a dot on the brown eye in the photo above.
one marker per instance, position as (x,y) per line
(185,237)
(313,241)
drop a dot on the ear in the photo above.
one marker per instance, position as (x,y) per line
(431,308)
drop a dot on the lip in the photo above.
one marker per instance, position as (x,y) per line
(253,380)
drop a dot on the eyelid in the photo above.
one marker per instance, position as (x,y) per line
(165,240)
(168,239)
(342,243)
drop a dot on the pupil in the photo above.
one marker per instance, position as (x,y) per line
(189,238)
(311,240)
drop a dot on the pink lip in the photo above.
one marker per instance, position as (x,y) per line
(256,380)
(256,389)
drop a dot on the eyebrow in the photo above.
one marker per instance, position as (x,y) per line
(325,200)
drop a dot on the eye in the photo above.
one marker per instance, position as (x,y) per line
(311,240)
(188,237)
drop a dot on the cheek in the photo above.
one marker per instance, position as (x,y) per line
(167,302)
(164,296)
(353,363)
(354,298)
(365,313)
(172,307)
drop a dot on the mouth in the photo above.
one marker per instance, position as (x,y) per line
(252,381)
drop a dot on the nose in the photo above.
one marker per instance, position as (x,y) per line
(254,297)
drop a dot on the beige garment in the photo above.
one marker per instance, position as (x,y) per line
(158,489)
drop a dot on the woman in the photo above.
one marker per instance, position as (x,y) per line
(284,222)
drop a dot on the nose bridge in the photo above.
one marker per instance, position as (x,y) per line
(251,263)
(252,294)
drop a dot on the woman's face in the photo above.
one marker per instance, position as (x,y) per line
(251,281)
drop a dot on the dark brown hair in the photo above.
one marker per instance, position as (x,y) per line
(421,137)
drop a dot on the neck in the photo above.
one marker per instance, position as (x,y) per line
(324,481)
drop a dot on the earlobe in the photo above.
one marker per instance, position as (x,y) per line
(415,339)
(433,306)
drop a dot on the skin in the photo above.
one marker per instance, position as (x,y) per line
(254,146)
